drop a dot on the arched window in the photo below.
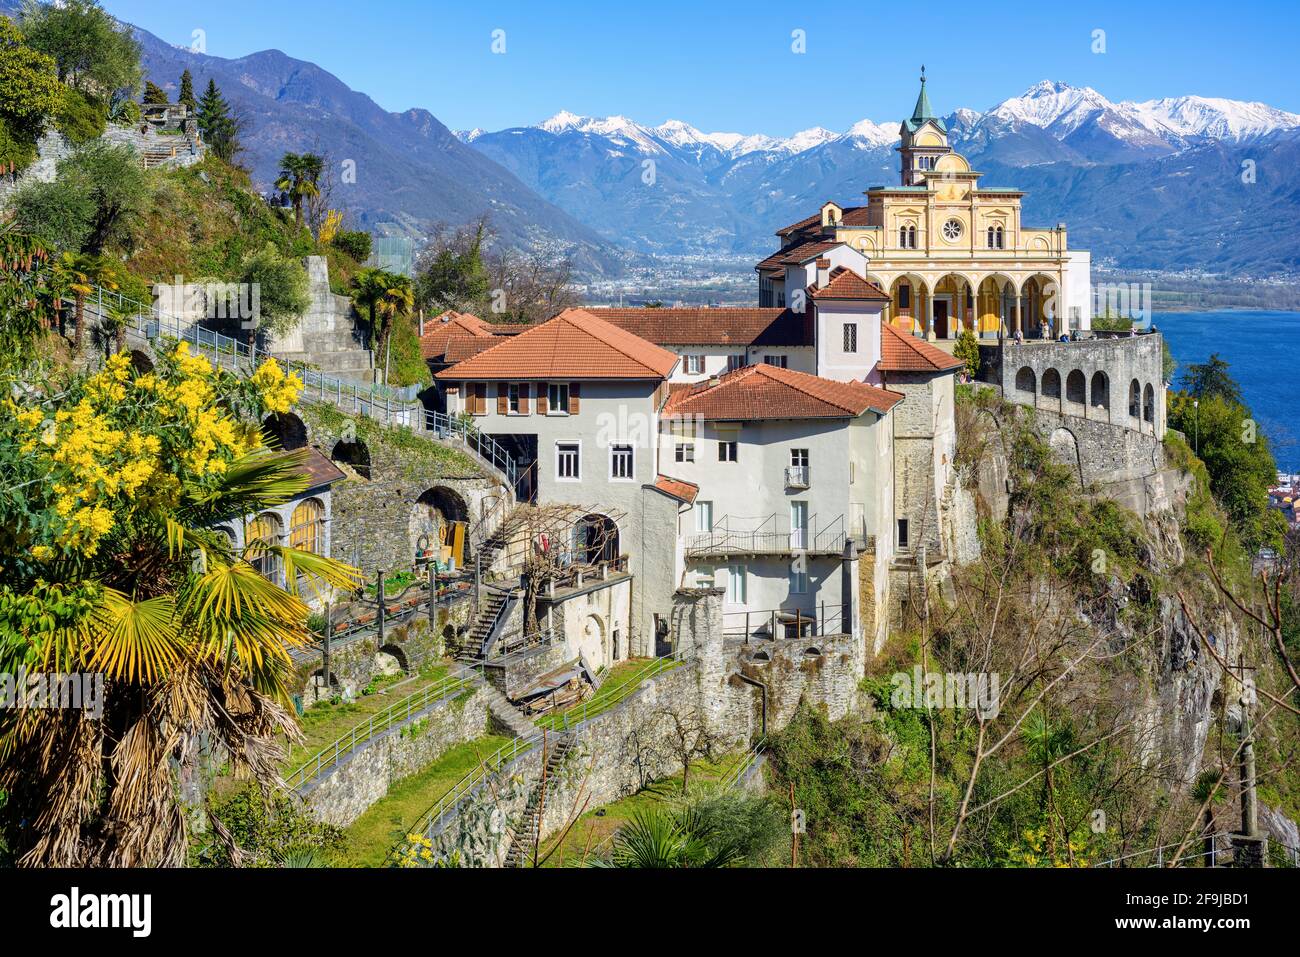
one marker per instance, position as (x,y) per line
(995,237)
(307,527)
(911,237)
(1149,404)
(1135,399)
(263,531)
(902,237)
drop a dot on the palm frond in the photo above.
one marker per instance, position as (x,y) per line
(135,640)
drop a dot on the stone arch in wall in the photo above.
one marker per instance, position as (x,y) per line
(284,430)
(1026,383)
(1052,390)
(1149,406)
(392,653)
(434,510)
(1076,388)
(140,362)
(354,455)
(1065,449)
(1099,393)
(1135,400)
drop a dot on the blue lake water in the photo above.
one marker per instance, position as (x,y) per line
(1262,350)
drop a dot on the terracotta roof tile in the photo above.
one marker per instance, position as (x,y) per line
(799,252)
(677,488)
(573,345)
(448,327)
(900,352)
(770,392)
(846,284)
(732,327)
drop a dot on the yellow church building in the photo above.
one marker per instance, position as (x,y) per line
(950,252)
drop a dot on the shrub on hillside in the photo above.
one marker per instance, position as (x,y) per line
(355,243)
(81,118)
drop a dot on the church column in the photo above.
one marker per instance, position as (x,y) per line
(1015,298)
(929,316)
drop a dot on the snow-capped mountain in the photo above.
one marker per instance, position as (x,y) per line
(713,191)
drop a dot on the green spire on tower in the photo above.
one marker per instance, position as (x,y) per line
(923,114)
(922,111)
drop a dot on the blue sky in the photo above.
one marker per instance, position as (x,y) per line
(729,66)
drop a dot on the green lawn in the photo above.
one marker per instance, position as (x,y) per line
(621,680)
(370,837)
(324,723)
(599,824)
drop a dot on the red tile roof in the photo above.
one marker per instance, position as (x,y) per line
(900,352)
(573,345)
(797,253)
(846,284)
(697,327)
(448,327)
(677,488)
(770,392)
(851,216)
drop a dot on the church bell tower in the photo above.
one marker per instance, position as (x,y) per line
(924,140)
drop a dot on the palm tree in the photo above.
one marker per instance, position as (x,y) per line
(397,300)
(300,177)
(192,643)
(669,837)
(368,287)
(79,274)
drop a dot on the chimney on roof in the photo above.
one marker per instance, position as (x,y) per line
(714,380)
(823,272)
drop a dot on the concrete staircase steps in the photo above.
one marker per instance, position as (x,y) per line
(504,711)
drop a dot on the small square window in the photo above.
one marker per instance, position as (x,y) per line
(568,461)
(728,451)
(799,458)
(686,452)
(622,463)
(694,365)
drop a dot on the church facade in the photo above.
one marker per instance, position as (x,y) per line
(950,252)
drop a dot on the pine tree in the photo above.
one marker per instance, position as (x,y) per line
(153,93)
(187,92)
(220,130)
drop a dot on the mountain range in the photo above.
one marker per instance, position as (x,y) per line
(1160,184)
(1177,184)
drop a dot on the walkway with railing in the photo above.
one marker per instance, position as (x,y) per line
(147,323)
(769,535)
(436,819)
(395,715)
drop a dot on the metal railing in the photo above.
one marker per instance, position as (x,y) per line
(598,704)
(375,400)
(735,774)
(768,535)
(782,623)
(395,714)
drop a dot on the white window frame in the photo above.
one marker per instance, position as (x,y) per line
(704,517)
(796,455)
(731,446)
(798,582)
(737,585)
(577,445)
(694,365)
(563,388)
(614,452)
(685,452)
(514,398)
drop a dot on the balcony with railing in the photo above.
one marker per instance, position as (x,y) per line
(769,535)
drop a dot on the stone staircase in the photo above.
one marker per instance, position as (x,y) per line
(505,712)
(523,842)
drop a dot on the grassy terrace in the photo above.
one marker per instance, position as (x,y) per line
(623,679)
(324,723)
(587,838)
(371,836)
